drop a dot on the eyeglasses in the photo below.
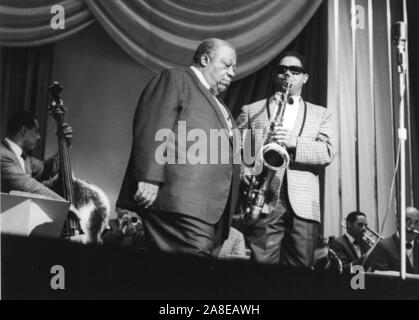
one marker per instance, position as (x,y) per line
(293,69)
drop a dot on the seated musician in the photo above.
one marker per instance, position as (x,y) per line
(351,248)
(386,255)
(19,170)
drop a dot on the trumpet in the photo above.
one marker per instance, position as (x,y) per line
(371,238)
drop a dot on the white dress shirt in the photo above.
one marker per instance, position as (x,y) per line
(291,112)
(18,152)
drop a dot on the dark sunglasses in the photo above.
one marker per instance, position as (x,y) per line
(293,69)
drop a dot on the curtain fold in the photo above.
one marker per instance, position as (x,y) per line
(311,43)
(25,75)
(27,23)
(163,34)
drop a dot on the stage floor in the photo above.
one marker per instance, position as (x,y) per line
(30,267)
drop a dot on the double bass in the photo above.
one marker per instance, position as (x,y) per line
(90,201)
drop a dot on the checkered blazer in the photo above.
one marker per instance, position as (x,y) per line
(37,179)
(315,149)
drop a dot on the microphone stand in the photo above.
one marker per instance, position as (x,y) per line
(402,136)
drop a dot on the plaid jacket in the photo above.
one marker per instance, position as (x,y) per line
(315,149)
(37,179)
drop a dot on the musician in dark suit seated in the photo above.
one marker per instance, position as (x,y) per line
(351,248)
(19,170)
(126,231)
(186,204)
(386,255)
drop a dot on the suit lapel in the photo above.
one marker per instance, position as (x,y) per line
(350,247)
(210,98)
(416,257)
(409,267)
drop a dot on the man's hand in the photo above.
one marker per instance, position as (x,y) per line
(246,179)
(284,137)
(68,133)
(146,193)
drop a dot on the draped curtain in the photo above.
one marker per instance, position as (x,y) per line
(27,23)
(363,94)
(311,43)
(25,76)
(164,33)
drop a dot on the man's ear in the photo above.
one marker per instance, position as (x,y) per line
(306,76)
(205,60)
(23,131)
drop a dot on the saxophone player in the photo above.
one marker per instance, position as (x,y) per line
(287,230)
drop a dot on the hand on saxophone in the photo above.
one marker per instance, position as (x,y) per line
(283,136)
(146,193)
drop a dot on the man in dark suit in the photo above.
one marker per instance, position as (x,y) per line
(186,203)
(351,248)
(386,255)
(19,170)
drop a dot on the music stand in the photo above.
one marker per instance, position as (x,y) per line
(27,214)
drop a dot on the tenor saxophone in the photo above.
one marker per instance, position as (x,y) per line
(272,157)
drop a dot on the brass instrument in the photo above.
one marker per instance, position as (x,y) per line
(371,238)
(272,157)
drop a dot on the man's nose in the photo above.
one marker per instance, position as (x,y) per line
(231,72)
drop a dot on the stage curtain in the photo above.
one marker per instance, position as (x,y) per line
(26,23)
(311,43)
(163,34)
(363,94)
(24,79)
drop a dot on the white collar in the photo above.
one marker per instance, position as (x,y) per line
(200,76)
(296,100)
(15,147)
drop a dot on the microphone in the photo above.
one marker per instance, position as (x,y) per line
(399,41)
(399,32)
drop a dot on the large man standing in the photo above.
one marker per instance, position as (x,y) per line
(186,206)
(287,231)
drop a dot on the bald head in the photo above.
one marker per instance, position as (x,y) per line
(216,60)
(412,223)
(412,212)
(209,47)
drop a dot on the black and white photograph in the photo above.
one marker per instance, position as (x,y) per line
(209,156)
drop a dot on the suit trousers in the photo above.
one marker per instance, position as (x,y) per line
(283,238)
(178,233)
